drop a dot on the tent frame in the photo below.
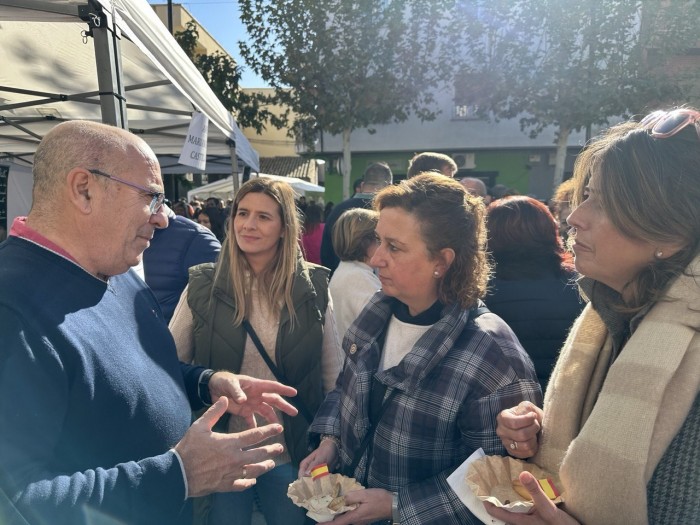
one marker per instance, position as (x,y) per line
(111,89)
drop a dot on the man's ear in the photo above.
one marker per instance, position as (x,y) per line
(79,185)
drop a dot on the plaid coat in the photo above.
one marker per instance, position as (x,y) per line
(449,388)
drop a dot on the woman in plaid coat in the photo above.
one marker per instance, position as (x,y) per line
(427,370)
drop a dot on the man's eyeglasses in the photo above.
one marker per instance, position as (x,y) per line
(157,197)
(664,124)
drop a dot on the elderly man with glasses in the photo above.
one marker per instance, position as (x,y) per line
(96,408)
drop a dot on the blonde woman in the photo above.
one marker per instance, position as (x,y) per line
(263,311)
(353,283)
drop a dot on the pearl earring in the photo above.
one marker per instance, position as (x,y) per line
(658,254)
(436,274)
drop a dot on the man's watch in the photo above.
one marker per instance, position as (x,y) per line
(203,387)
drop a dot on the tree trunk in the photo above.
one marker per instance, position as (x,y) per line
(562,141)
(347,165)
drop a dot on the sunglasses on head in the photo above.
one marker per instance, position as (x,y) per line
(664,124)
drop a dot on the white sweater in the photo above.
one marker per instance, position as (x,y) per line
(353,284)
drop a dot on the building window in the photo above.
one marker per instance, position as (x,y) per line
(465,112)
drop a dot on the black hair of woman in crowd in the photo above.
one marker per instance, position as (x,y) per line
(215,220)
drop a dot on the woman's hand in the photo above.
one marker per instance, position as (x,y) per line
(518,428)
(545,511)
(327,452)
(372,505)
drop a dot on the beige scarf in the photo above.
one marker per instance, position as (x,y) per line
(606,427)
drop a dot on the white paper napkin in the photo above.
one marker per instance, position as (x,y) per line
(457,481)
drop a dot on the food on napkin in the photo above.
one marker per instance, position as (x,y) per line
(492,478)
(547,485)
(322,494)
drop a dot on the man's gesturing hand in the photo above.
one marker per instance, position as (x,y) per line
(217,462)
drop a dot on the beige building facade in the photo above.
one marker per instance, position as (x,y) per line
(271,142)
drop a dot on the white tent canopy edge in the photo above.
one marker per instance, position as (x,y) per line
(49,76)
(165,82)
(223,189)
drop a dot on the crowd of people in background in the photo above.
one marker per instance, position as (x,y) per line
(389,336)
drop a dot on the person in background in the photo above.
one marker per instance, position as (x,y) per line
(183,209)
(533,288)
(302,204)
(426,371)
(312,233)
(353,282)
(202,218)
(356,188)
(96,407)
(561,205)
(263,311)
(429,161)
(499,191)
(197,206)
(214,220)
(377,176)
(214,202)
(327,209)
(475,187)
(173,251)
(621,417)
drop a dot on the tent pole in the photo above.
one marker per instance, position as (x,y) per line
(108,61)
(234,166)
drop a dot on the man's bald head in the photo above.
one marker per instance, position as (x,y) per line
(431,161)
(474,186)
(79,143)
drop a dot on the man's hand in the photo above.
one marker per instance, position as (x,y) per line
(249,396)
(217,462)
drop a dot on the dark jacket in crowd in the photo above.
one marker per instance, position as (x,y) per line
(173,251)
(540,312)
(329,259)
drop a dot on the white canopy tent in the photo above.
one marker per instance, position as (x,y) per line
(223,189)
(111,61)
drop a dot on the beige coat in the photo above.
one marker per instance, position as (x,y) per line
(606,427)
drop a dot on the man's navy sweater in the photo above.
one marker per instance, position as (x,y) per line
(93,395)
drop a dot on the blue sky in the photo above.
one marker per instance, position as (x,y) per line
(221,19)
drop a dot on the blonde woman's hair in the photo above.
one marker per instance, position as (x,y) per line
(353,234)
(276,280)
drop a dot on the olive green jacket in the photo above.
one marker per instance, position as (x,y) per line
(220,345)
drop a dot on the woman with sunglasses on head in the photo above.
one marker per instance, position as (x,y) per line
(621,420)
(263,311)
